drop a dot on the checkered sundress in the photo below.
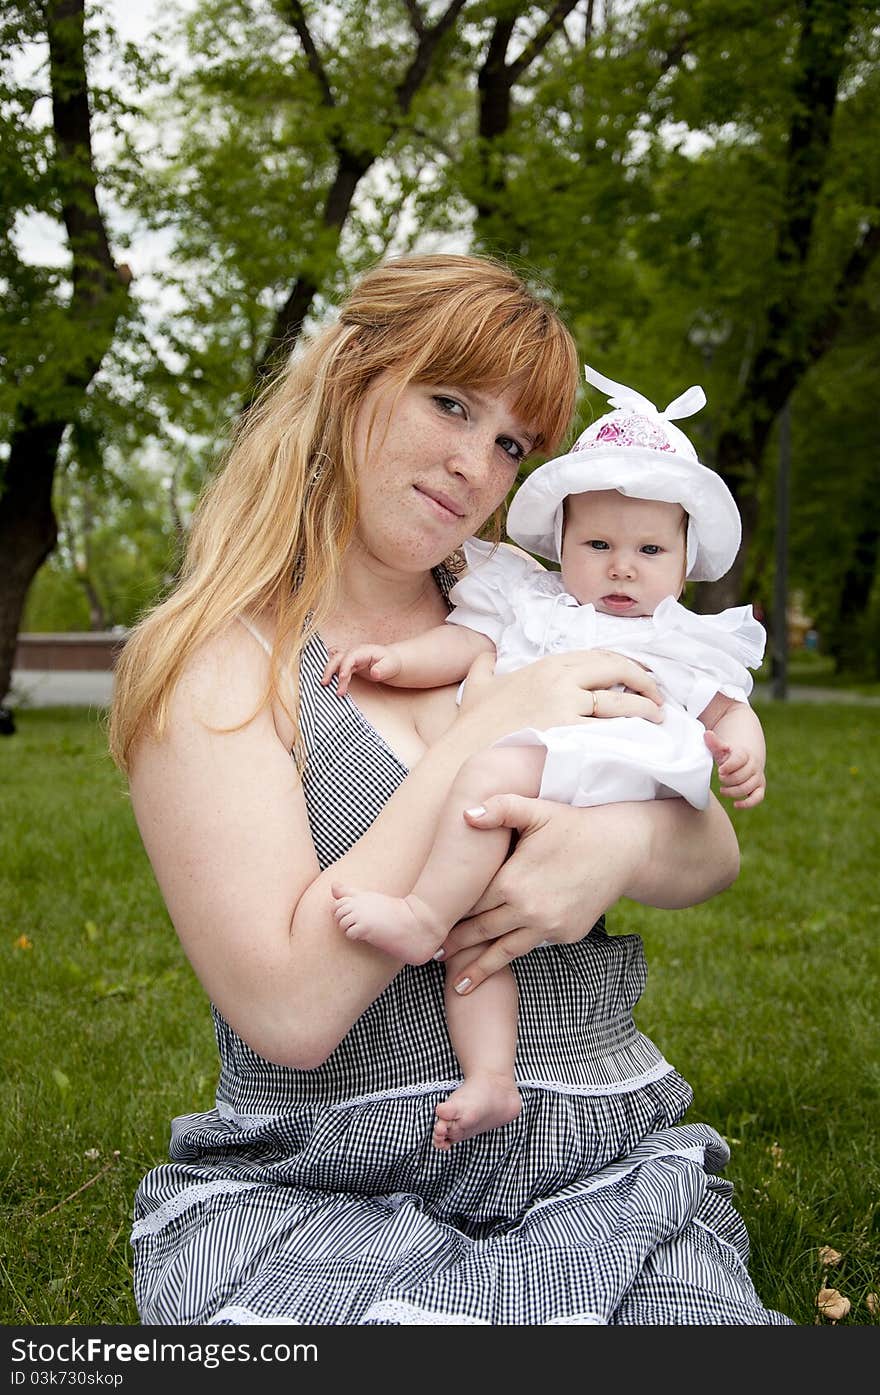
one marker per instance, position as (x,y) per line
(317,1196)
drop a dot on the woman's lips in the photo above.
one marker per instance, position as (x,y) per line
(444,504)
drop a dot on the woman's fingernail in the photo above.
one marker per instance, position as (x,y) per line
(476,813)
(463,985)
(441,954)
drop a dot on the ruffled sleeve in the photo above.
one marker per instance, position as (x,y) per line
(483,597)
(711,653)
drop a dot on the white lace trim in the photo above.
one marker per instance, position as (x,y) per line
(618,1087)
(662,1067)
(578,1320)
(230,1115)
(176,1205)
(246,1317)
(401,1092)
(410,1314)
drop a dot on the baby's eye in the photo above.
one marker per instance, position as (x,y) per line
(652,549)
(598,544)
(512,448)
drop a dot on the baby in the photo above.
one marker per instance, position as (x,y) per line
(630,514)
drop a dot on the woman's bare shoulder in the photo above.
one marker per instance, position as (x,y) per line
(225,679)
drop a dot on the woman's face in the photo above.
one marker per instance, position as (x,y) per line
(433,463)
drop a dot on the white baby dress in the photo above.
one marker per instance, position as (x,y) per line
(526,613)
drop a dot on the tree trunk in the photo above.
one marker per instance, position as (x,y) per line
(28,529)
(795,335)
(851,642)
(735,464)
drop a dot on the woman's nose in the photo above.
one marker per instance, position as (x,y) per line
(471,458)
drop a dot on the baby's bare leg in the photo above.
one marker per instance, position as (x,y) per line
(482,1028)
(462,861)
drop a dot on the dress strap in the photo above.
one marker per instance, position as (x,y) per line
(261,639)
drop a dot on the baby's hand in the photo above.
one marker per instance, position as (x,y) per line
(377,662)
(740,773)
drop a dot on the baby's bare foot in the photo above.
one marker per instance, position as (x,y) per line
(483,1102)
(400,925)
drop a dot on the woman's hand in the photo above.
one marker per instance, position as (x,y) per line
(565,871)
(561,690)
(570,865)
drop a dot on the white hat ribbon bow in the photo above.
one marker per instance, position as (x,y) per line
(687,402)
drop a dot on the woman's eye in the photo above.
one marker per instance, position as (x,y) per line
(512,448)
(450,405)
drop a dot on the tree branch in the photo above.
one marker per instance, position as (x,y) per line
(293,11)
(820,58)
(785,352)
(552,24)
(415,16)
(351,166)
(95,276)
(824,331)
(429,39)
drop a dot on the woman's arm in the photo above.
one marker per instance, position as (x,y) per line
(224,823)
(570,865)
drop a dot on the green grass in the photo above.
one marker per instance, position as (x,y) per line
(765,998)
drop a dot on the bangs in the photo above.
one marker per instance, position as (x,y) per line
(506,347)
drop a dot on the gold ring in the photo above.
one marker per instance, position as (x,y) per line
(595,696)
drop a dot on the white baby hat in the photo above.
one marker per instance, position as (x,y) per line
(636,450)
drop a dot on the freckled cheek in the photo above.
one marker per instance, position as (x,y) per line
(497,488)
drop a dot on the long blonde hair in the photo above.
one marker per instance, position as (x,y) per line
(271,529)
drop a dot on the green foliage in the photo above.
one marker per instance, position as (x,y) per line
(241,176)
(642,175)
(646,177)
(56,601)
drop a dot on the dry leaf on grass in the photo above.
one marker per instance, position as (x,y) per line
(828,1255)
(832,1305)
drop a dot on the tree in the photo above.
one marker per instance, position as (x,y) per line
(296,137)
(57,325)
(307,143)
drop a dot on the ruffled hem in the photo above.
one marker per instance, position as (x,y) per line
(654,1232)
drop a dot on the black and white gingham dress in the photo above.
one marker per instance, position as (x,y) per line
(317,1197)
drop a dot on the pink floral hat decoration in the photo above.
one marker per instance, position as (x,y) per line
(636,450)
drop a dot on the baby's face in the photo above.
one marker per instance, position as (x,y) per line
(623,555)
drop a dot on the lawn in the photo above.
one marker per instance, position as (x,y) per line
(765,998)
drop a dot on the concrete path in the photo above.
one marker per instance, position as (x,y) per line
(764,693)
(43,689)
(39,688)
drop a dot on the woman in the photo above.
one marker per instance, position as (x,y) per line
(312,1193)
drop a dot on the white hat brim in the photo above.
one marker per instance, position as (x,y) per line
(642,473)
